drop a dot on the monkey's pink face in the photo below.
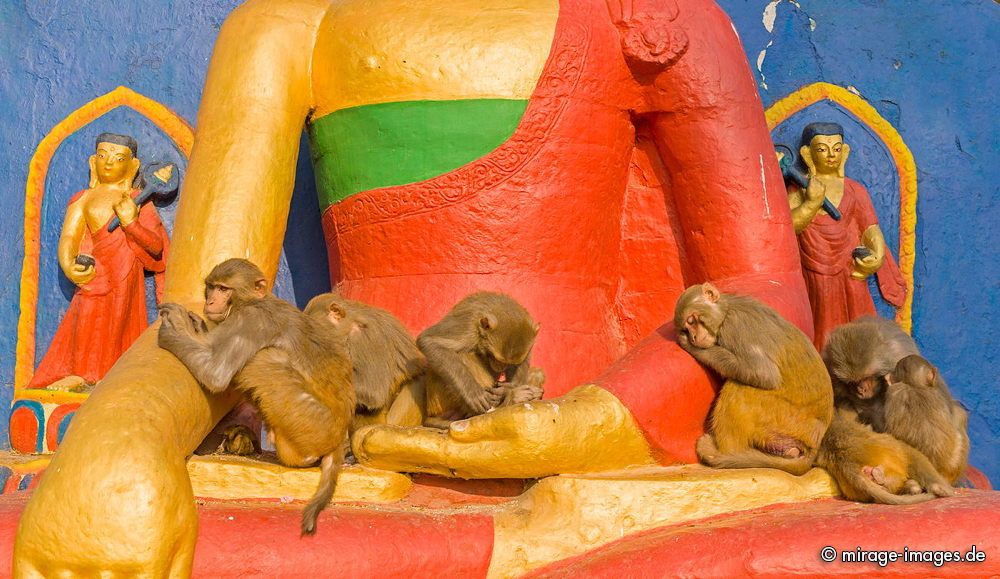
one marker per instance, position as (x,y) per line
(866,388)
(697,332)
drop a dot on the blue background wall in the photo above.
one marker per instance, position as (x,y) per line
(927,67)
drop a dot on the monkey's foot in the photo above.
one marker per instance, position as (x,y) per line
(585,430)
(876,474)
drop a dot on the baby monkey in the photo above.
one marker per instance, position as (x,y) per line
(920,412)
(873,467)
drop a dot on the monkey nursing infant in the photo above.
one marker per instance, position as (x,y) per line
(776,408)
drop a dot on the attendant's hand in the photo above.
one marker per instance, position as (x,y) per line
(126,209)
(81,274)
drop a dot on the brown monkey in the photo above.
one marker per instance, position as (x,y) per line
(858,356)
(385,358)
(776,403)
(479,358)
(873,467)
(920,412)
(293,367)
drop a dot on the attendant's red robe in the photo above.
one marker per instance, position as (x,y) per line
(108,313)
(825,246)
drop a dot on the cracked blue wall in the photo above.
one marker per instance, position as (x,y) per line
(929,68)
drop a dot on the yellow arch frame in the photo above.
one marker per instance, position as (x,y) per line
(905,167)
(168,121)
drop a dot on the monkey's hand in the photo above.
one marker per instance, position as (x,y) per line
(520,394)
(586,430)
(482,400)
(179,319)
(754,369)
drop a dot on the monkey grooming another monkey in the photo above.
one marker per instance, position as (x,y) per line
(293,367)
(776,402)
(858,355)
(873,467)
(920,412)
(479,358)
(384,356)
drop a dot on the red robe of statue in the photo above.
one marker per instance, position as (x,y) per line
(826,245)
(108,313)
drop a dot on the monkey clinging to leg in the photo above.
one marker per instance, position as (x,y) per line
(479,358)
(776,402)
(293,367)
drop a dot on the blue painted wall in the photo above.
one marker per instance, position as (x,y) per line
(927,67)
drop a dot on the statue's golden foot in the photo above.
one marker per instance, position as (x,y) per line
(585,430)
(70,384)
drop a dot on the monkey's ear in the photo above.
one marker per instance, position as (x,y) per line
(260,287)
(488,322)
(536,327)
(337,311)
(710,292)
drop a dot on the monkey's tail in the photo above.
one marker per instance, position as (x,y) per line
(328,469)
(879,494)
(753,458)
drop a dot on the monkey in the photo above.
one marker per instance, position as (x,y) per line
(858,355)
(874,467)
(479,358)
(384,356)
(238,439)
(920,411)
(776,402)
(293,367)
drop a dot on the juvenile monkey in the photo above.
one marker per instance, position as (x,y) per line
(384,356)
(920,412)
(293,367)
(479,358)
(873,467)
(858,356)
(776,402)
(238,439)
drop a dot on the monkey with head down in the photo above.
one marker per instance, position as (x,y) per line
(776,402)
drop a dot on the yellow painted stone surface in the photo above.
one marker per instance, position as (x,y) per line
(563,516)
(231,477)
(426,50)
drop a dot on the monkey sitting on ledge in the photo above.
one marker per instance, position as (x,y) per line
(777,400)
(293,367)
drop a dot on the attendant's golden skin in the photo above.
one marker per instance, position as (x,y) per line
(826,157)
(117,497)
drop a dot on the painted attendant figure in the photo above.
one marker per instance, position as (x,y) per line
(108,310)
(838,255)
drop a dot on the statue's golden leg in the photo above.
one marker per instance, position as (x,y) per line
(116,496)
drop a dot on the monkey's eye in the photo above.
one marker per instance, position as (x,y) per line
(691,320)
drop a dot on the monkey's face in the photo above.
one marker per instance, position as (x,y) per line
(232,282)
(867,388)
(696,331)
(218,301)
(698,315)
